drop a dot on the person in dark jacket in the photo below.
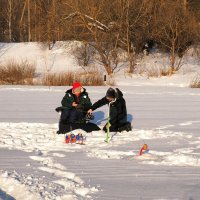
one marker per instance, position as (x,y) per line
(117,112)
(75,105)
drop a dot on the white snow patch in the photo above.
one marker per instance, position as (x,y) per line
(16,189)
(185,124)
(169,159)
(65,174)
(67,197)
(58,155)
(111,154)
(48,161)
(41,139)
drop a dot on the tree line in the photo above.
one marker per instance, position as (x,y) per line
(104,25)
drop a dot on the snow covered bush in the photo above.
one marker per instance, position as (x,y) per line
(195,83)
(157,72)
(84,54)
(13,72)
(151,68)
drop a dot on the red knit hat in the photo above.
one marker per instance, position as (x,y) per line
(76,85)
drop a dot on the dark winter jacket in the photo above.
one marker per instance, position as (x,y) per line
(118,112)
(83,101)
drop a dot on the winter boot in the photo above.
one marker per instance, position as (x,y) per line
(125,127)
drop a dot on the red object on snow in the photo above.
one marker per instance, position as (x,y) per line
(144,148)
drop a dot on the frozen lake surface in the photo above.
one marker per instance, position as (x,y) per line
(37,161)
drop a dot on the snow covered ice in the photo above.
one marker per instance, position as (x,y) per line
(36,163)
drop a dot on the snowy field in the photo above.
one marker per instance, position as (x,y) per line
(37,164)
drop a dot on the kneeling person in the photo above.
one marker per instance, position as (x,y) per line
(117,112)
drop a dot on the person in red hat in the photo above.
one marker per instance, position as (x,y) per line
(74,108)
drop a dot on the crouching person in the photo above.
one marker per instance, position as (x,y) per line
(74,108)
(117,111)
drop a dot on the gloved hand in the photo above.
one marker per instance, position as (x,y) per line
(89,117)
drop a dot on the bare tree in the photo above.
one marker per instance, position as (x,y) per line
(104,25)
(9,9)
(174,30)
(7,15)
(84,54)
(86,17)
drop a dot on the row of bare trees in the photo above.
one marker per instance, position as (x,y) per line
(103,25)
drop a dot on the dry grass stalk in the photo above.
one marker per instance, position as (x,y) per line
(14,72)
(59,79)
